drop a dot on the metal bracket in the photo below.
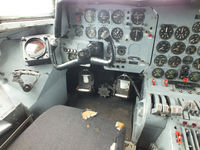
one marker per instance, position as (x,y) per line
(27,87)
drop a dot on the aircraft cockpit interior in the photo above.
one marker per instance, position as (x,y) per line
(100,75)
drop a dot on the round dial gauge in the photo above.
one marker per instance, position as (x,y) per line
(136,34)
(178,48)
(191,49)
(196,64)
(117,16)
(160,60)
(194,76)
(121,50)
(171,74)
(117,33)
(196,27)
(174,61)
(157,73)
(78,31)
(90,32)
(104,16)
(102,30)
(187,60)
(166,32)
(90,15)
(194,39)
(163,46)
(182,33)
(138,17)
(35,48)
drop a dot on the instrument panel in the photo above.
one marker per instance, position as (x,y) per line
(131,28)
(176,53)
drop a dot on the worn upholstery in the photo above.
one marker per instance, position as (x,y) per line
(62,128)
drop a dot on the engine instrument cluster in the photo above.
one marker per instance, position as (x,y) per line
(176,55)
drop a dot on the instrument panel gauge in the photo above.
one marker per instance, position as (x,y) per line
(178,48)
(138,16)
(171,74)
(163,46)
(117,16)
(191,49)
(117,33)
(196,27)
(102,30)
(157,73)
(196,64)
(182,33)
(194,39)
(187,60)
(121,50)
(194,76)
(174,61)
(90,15)
(136,34)
(160,60)
(104,16)
(166,32)
(90,32)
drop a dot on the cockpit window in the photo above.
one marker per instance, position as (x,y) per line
(26,9)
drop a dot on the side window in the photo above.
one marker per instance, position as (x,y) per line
(19,10)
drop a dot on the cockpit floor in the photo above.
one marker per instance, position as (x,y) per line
(113,108)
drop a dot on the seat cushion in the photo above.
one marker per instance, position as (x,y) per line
(62,128)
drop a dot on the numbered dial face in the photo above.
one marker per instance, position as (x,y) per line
(191,49)
(121,50)
(178,48)
(194,39)
(104,16)
(196,27)
(174,61)
(166,32)
(117,33)
(163,46)
(157,73)
(196,64)
(118,16)
(171,74)
(138,17)
(90,15)
(194,76)
(90,32)
(187,60)
(182,33)
(136,34)
(102,31)
(160,60)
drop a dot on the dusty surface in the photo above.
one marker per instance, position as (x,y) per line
(113,108)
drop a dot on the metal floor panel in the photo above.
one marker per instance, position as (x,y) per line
(113,108)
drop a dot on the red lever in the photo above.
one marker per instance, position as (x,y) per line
(166,83)
(154,81)
(178,136)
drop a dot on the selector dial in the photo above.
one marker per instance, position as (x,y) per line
(136,34)
(196,27)
(178,48)
(160,60)
(171,74)
(194,39)
(163,47)
(182,33)
(166,32)
(174,61)
(157,73)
